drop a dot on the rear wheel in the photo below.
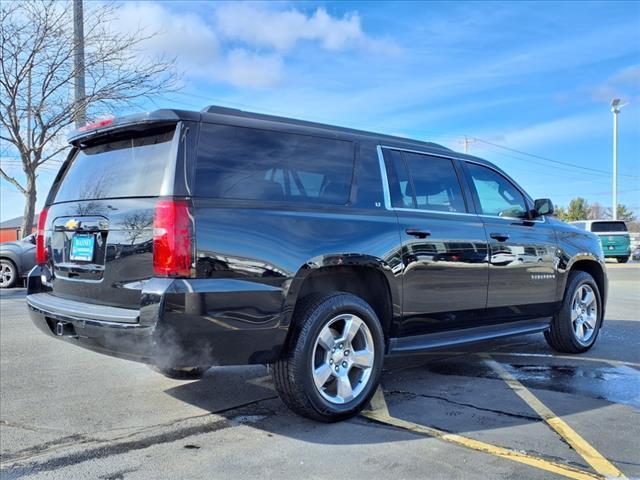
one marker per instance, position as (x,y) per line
(575,327)
(8,273)
(333,364)
(623,259)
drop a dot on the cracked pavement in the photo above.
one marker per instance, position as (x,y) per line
(69,413)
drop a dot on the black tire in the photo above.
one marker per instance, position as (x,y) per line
(9,272)
(189,373)
(292,374)
(561,335)
(623,259)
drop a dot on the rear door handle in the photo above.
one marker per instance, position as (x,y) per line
(501,237)
(414,232)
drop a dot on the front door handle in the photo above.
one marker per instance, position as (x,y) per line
(414,232)
(501,237)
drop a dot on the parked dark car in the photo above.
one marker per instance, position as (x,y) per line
(189,239)
(16,259)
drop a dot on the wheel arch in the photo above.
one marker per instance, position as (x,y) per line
(13,258)
(594,267)
(367,277)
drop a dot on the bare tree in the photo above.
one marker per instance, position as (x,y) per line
(37,78)
(597,212)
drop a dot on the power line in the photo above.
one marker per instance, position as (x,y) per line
(578,172)
(573,165)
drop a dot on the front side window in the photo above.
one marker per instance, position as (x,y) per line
(497,195)
(250,164)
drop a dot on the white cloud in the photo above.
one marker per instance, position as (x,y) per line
(195,45)
(184,36)
(562,130)
(622,84)
(628,76)
(248,69)
(281,30)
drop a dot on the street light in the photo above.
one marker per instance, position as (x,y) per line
(615,108)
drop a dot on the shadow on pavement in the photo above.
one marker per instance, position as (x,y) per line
(455,392)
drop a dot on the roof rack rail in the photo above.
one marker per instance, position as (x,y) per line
(223,110)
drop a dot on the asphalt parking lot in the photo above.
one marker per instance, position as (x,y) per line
(501,409)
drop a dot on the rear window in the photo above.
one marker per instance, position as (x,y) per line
(131,167)
(251,164)
(608,227)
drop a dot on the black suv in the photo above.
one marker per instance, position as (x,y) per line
(189,239)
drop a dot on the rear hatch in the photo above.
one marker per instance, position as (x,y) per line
(100,216)
(613,236)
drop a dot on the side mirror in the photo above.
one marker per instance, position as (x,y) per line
(543,206)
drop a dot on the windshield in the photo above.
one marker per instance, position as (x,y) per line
(130,167)
(608,227)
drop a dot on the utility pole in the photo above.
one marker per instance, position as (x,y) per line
(615,108)
(467,141)
(78,47)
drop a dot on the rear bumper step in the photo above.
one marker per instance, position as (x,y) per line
(53,306)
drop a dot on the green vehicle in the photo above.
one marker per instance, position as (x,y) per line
(614,237)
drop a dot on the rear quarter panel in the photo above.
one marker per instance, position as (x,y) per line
(277,247)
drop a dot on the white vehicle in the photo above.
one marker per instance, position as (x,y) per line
(614,237)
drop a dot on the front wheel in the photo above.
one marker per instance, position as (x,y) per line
(623,259)
(575,327)
(333,363)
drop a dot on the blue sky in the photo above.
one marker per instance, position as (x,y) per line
(532,77)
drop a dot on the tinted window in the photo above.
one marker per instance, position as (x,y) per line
(435,183)
(251,164)
(608,227)
(132,167)
(497,195)
(401,191)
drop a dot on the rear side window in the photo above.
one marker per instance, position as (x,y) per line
(435,183)
(251,164)
(608,227)
(131,167)
(423,182)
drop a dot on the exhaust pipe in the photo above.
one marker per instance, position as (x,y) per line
(65,330)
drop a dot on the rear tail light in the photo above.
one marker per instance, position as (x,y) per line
(172,239)
(41,251)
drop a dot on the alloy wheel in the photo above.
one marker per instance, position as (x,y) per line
(584,313)
(7,274)
(343,357)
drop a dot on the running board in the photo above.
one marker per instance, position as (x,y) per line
(417,343)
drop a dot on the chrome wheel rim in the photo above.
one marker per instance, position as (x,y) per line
(6,274)
(342,359)
(584,313)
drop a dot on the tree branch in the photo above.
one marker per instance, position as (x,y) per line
(13,181)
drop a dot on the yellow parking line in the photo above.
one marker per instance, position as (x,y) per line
(380,413)
(615,363)
(579,444)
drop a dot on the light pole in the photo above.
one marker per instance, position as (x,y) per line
(615,108)
(78,64)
